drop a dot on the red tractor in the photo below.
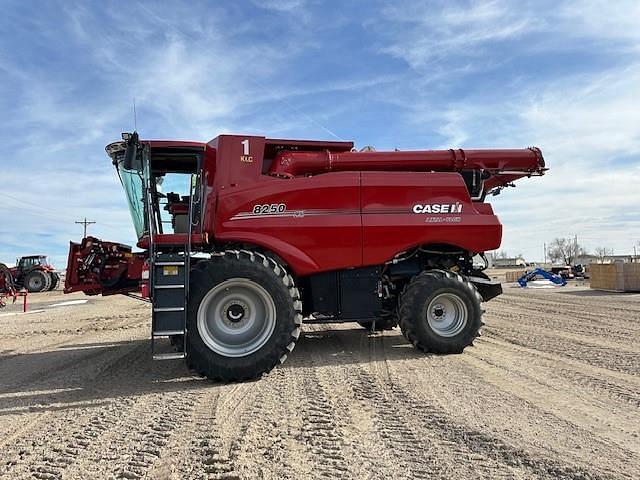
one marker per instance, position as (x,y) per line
(35,273)
(246,237)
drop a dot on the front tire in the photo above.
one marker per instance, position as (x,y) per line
(440,312)
(244,316)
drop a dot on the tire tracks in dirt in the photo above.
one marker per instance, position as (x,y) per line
(488,455)
(135,441)
(564,403)
(584,329)
(122,323)
(266,445)
(596,355)
(567,305)
(70,436)
(83,382)
(322,437)
(581,374)
(236,431)
(417,452)
(474,397)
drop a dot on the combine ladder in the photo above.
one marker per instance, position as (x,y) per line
(170,284)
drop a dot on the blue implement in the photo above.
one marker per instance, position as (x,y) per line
(538,272)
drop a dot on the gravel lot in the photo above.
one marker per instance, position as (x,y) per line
(551,390)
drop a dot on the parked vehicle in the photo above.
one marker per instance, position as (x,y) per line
(564,271)
(35,273)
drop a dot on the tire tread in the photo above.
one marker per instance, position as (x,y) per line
(406,303)
(258,261)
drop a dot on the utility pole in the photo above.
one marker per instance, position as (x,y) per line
(544,247)
(85,222)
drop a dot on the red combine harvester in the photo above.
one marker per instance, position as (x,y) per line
(253,235)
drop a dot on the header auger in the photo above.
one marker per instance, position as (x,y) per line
(244,237)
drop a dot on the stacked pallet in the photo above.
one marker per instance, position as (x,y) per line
(513,275)
(616,277)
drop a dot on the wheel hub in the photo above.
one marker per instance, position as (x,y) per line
(447,314)
(439,311)
(235,313)
(236,317)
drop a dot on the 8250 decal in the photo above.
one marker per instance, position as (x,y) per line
(269,208)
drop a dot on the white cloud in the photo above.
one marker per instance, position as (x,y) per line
(586,123)
(447,32)
(588,129)
(601,19)
(428,35)
(281,5)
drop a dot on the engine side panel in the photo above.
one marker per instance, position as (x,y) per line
(402,210)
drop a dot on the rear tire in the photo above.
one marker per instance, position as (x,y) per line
(244,316)
(55,280)
(37,281)
(440,312)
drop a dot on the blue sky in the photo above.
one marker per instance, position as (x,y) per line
(564,76)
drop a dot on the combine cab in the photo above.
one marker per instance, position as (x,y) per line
(243,238)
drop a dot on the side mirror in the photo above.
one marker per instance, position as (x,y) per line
(131,152)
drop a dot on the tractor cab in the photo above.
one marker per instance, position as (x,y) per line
(31,261)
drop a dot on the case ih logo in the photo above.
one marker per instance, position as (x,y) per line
(438,208)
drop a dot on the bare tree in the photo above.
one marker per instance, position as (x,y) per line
(496,254)
(602,253)
(565,250)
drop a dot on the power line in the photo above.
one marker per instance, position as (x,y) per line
(85,223)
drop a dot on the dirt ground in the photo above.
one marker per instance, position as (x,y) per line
(551,390)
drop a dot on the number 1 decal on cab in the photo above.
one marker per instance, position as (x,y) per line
(246,156)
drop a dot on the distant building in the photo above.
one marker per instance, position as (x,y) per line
(586,259)
(589,259)
(509,262)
